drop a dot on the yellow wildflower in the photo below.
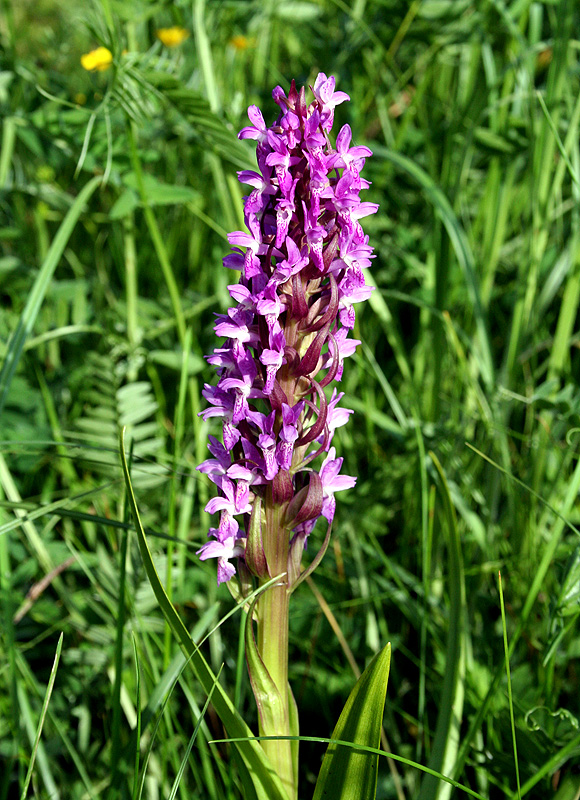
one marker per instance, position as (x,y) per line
(240,42)
(171,37)
(97,60)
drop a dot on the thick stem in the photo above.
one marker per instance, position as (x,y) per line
(273,644)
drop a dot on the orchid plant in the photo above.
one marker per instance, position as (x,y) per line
(286,338)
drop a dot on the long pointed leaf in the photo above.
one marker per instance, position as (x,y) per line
(348,773)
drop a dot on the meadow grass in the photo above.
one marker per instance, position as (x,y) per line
(117,190)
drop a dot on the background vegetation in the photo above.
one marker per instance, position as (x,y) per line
(117,189)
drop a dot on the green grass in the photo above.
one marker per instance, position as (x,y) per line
(116,192)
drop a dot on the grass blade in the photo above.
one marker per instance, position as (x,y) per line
(138,725)
(49,688)
(509,684)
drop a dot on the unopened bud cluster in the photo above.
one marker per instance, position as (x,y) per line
(287,334)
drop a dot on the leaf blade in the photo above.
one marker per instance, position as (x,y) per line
(40,726)
(348,773)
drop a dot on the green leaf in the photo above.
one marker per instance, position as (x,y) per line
(266,783)
(348,773)
(493,141)
(569,598)
(559,727)
(361,748)
(294,731)
(158,194)
(438,9)
(569,788)
(126,203)
(192,739)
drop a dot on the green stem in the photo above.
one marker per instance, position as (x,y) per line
(273,635)
(173,492)
(273,607)
(116,700)
(131,281)
(7,151)
(204,55)
(273,648)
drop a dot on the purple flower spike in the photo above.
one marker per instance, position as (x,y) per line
(287,335)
